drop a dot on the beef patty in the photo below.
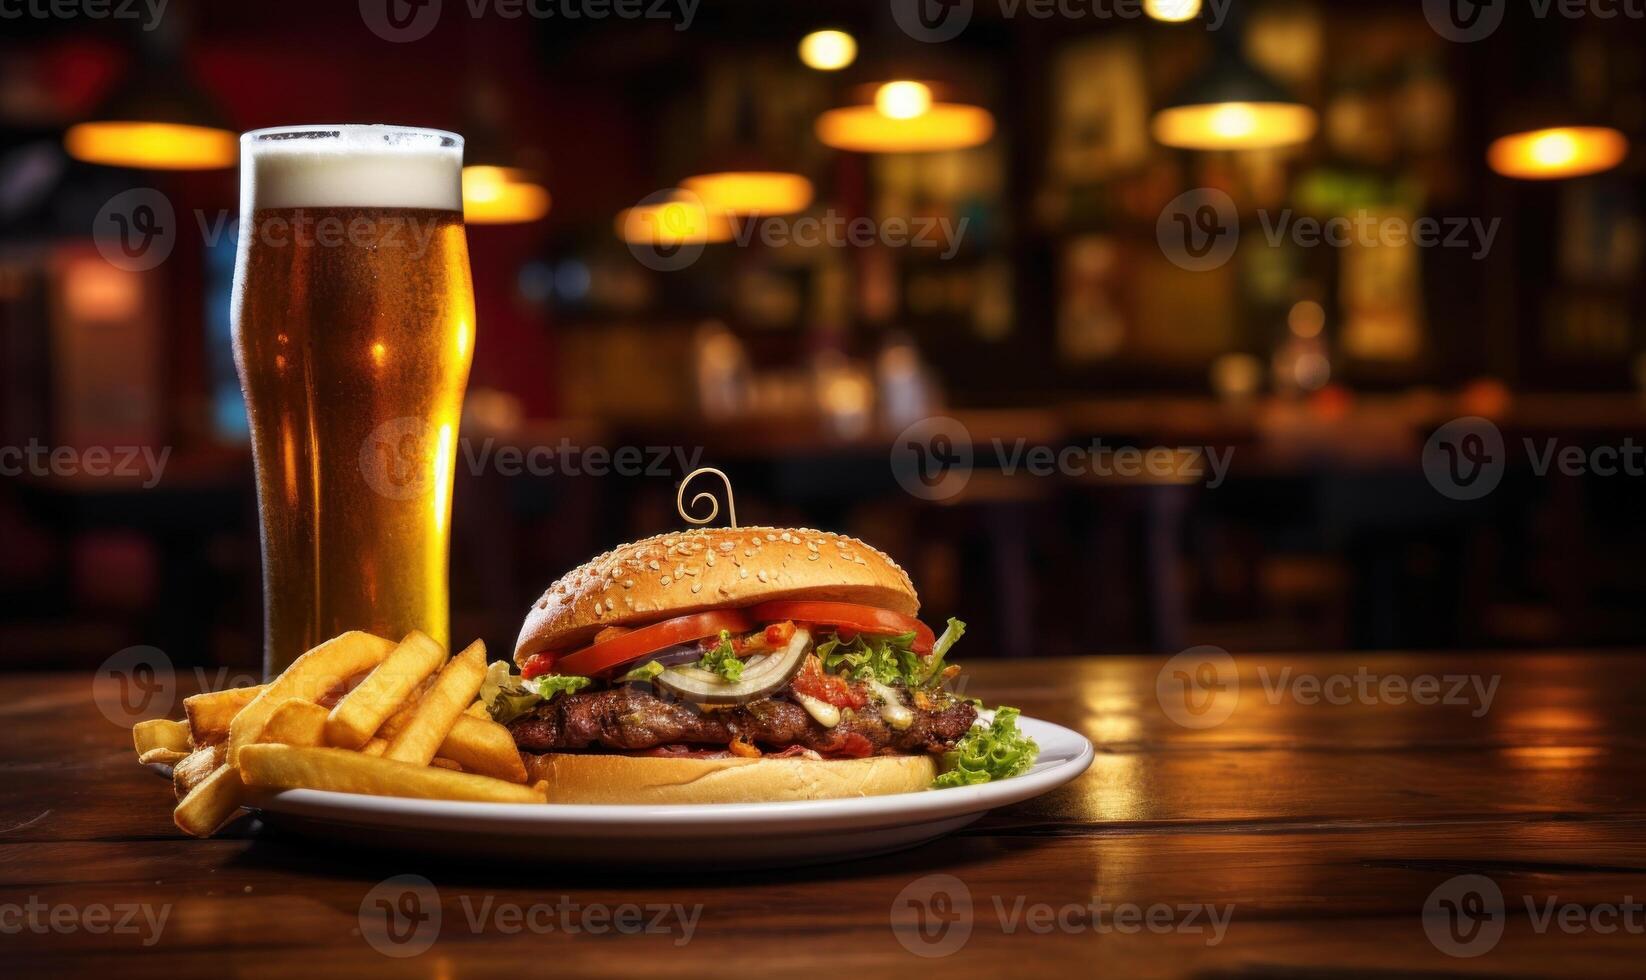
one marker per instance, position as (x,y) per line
(634,718)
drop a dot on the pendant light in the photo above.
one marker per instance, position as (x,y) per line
(742,175)
(1555,125)
(157,119)
(904,116)
(1233,106)
(496,189)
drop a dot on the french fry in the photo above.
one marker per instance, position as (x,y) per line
(439,707)
(192,770)
(309,678)
(446,764)
(363,710)
(160,733)
(485,747)
(209,714)
(375,747)
(289,767)
(296,722)
(162,756)
(210,804)
(477,710)
(477,744)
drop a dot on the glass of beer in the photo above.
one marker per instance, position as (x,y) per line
(353,330)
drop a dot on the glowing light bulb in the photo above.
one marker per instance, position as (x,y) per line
(1566,151)
(828,50)
(1554,149)
(903,100)
(1234,120)
(1172,11)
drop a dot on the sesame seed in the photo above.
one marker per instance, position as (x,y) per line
(666,580)
(762,575)
(697,587)
(744,573)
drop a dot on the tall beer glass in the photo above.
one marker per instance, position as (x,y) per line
(353,330)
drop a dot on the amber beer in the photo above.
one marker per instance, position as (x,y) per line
(353,330)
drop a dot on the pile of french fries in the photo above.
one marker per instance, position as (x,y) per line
(403,720)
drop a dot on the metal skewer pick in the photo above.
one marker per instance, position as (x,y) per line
(714,505)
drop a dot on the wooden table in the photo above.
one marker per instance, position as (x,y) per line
(1315,833)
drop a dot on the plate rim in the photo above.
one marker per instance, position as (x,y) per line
(859,811)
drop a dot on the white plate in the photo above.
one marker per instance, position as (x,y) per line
(718,834)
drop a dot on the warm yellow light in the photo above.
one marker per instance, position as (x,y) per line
(152,145)
(945,126)
(683,221)
(501,195)
(1566,151)
(751,192)
(903,100)
(828,50)
(1172,11)
(1234,125)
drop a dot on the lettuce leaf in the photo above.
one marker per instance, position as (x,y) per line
(507,695)
(887,659)
(722,659)
(989,752)
(548,685)
(645,672)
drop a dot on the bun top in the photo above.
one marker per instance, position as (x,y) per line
(686,572)
(351,166)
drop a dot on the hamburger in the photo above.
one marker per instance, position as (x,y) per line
(742,665)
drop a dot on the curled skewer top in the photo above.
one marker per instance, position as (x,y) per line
(714,505)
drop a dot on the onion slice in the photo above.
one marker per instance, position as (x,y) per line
(762,674)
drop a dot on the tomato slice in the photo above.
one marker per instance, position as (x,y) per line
(850,616)
(812,682)
(592,661)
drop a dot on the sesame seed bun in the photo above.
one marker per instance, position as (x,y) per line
(686,572)
(592,778)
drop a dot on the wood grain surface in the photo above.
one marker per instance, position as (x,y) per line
(1280,831)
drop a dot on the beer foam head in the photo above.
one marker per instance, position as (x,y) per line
(351,166)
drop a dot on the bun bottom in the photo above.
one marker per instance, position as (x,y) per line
(575,778)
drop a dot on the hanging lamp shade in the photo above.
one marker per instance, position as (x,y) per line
(1554,149)
(155,120)
(1233,106)
(904,116)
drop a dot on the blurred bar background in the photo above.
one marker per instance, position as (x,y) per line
(993,243)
